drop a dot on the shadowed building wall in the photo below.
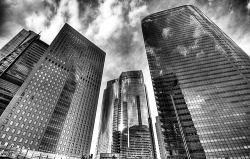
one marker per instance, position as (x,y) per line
(201,81)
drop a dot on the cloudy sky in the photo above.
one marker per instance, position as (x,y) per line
(114,26)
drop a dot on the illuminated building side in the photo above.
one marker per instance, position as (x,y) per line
(124,126)
(201,81)
(54,110)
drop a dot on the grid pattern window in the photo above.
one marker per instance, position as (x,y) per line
(69,130)
(201,83)
(55,108)
(30,114)
(15,68)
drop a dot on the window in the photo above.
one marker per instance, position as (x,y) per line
(3,136)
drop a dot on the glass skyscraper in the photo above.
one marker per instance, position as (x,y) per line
(54,109)
(125,124)
(201,81)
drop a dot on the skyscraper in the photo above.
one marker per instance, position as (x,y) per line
(54,109)
(21,55)
(19,39)
(201,81)
(126,126)
(163,152)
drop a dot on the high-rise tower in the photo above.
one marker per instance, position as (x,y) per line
(125,126)
(21,55)
(16,41)
(201,81)
(54,109)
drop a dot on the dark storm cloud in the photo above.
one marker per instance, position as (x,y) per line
(88,11)
(3,17)
(84,3)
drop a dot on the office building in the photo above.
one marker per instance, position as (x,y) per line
(54,109)
(201,81)
(161,143)
(21,55)
(126,127)
(22,37)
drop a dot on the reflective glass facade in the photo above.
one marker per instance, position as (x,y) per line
(54,110)
(201,81)
(125,126)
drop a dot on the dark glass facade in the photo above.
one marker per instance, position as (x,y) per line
(125,126)
(54,110)
(201,81)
